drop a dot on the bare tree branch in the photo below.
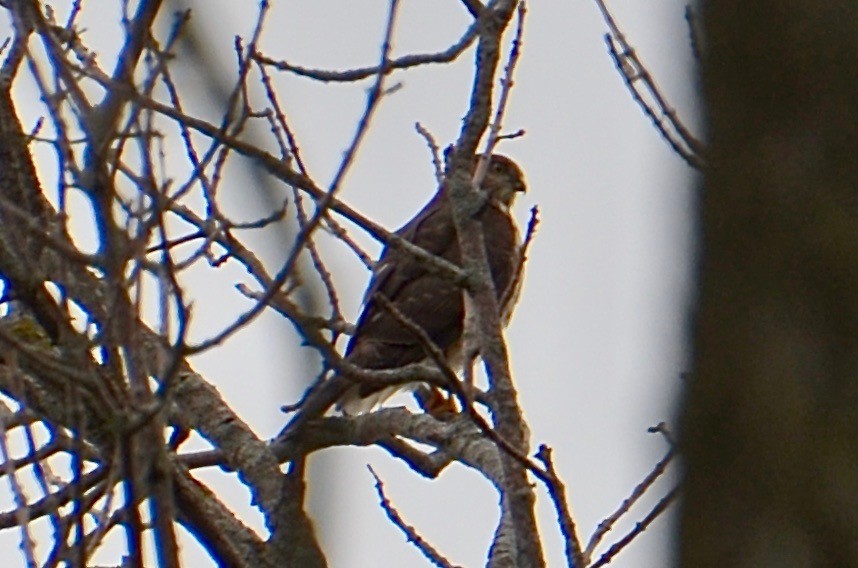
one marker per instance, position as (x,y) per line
(96,339)
(650,98)
(410,532)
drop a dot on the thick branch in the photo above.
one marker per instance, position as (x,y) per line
(517,495)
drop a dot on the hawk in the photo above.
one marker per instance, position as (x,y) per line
(431,301)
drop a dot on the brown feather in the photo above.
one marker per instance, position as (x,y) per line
(432,302)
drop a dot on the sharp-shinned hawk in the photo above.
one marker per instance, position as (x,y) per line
(429,300)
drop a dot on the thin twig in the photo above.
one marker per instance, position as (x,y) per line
(639,528)
(410,532)
(639,490)
(474,7)
(694,33)
(404,62)
(518,276)
(557,491)
(433,148)
(506,86)
(633,70)
(22,511)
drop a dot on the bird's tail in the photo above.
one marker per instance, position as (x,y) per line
(352,402)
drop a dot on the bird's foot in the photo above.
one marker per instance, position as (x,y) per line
(436,403)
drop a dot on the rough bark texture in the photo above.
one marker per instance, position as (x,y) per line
(770,424)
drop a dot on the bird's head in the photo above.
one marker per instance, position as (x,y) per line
(503,180)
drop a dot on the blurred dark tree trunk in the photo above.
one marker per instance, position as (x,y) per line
(770,425)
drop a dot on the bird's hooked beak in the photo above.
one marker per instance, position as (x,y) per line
(518,186)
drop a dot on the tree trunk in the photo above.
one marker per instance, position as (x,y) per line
(770,427)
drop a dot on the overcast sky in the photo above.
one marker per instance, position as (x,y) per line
(599,338)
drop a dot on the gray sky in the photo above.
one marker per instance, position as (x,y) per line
(599,338)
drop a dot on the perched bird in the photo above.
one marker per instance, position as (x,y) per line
(431,301)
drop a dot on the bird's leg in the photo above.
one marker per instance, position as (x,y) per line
(435,402)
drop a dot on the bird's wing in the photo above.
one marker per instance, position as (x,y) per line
(428,300)
(379,341)
(432,230)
